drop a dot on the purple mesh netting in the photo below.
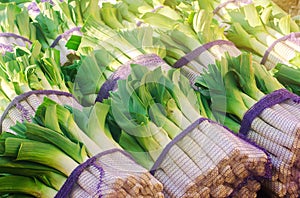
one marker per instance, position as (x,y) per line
(6,48)
(268,166)
(25,113)
(72,179)
(268,101)
(15,36)
(196,52)
(293,37)
(109,85)
(34,8)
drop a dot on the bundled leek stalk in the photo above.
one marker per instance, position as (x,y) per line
(76,13)
(205,35)
(288,76)
(151,109)
(207,31)
(271,121)
(183,30)
(262,28)
(119,45)
(45,153)
(56,28)
(16,21)
(29,69)
(21,25)
(17,25)
(106,50)
(172,27)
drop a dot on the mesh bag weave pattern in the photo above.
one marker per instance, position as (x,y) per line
(274,124)
(112,173)
(288,45)
(206,160)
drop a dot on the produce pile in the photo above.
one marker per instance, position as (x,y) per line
(149,98)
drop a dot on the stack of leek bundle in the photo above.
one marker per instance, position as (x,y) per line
(257,25)
(272,121)
(192,157)
(23,24)
(95,33)
(183,28)
(38,157)
(126,50)
(188,28)
(267,31)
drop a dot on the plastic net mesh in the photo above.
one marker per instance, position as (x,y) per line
(274,124)
(288,46)
(111,174)
(206,160)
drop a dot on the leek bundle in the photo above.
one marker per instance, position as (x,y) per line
(16,20)
(264,29)
(56,28)
(206,34)
(242,83)
(56,150)
(105,50)
(257,26)
(29,69)
(150,109)
(183,38)
(21,25)
(47,151)
(183,30)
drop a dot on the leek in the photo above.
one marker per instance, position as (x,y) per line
(25,185)
(239,82)
(254,26)
(110,50)
(48,149)
(149,107)
(239,77)
(44,154)
(26,70)
(288,77)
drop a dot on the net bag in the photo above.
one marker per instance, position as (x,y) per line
(112,173)
(274,124)
(206,160)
